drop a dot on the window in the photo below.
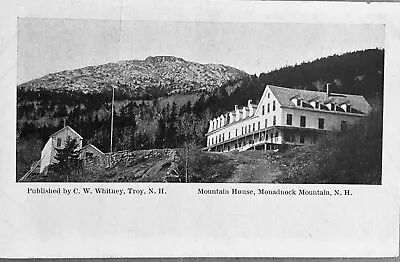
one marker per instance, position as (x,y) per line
(273,105)
(289,119)
(242,130)
(266,123)
(288,136)
(223,137)
(276,134)
(314,139)
(219,138)
(298,102)
(268,95)
(321,123)
(317,105)
(343,125)
(89,154)
(302,121)
(58,142)
(229,135)
(263,110)
(236,132)
(245,129)
(268,108)
(249,128)
(348,108)
(254,127)
(274,121)
(302,139)
(259,125)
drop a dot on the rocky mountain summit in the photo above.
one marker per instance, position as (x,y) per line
(159,75)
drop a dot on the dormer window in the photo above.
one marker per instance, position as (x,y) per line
(333,107)
(317,105)
(348,108)
(58,142)
(298,102)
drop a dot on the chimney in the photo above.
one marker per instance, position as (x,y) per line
(328,93)
(236,108)
(249,102)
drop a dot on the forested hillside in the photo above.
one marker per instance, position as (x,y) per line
(358,72)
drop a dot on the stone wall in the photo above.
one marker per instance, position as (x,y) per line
(130,158)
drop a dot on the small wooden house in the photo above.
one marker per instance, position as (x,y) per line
(57,140)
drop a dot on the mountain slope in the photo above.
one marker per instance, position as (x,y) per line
(160,75)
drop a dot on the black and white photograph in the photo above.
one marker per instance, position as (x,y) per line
(199,102)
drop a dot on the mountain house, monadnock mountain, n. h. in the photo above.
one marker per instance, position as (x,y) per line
(284,116)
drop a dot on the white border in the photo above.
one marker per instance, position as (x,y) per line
(183,223)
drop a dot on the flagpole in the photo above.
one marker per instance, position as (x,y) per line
(112,119)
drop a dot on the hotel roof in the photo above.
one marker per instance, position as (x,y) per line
(284,96)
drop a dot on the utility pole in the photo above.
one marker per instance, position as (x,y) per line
(187,153)
(112,120)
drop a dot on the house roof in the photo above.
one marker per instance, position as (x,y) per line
(284,96)
(68,128)
(92,146)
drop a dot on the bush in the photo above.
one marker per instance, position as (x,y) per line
(204,166)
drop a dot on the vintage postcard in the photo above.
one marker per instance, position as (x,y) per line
(229,128)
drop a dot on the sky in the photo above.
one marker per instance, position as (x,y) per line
(51,45)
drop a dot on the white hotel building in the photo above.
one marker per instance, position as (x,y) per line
(284,116)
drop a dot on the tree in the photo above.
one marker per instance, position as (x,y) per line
(68,163)
(161,132)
